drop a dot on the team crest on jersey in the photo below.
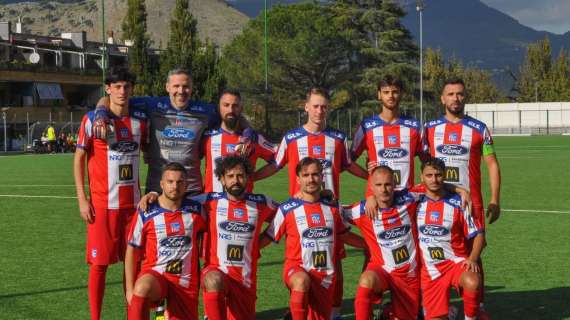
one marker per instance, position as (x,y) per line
(230,148)
(392,220)
(392,139)
(315,218)
(124,133)
(317,150)
(239,213)
(175,226)
(452,137)
(433,216)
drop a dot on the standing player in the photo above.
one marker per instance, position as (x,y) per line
(443,232)
(391,238)
(389,139)
(168,234)
(113,171)
(235,218)
(223,141)
(461,141)
(313,228)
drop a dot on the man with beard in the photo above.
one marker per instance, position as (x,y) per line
(226,139)
(168,236)
(232,246)
(313,228)
(461,141)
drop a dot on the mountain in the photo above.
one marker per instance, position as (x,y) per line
(467,29)
(216,20)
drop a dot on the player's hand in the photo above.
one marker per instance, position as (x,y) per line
(470,265)
(465,199)
(371,165)
(86,211)
(371,208)
(148,199)
(493,212)
(246,143)
(101,124)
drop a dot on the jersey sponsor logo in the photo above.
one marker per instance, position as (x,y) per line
(410,123)
(474,125)
(455,202)
(308,244)
(174,267)
(225,236)
(162,106)
(401,254)
(191,208)
(235,252)
(115,157)
(325,163)
(124,146)
(255,198)
(175,241)
(452,174)
(392,153)
(319,259)
(125,172)
(290,205)
(452,149)
(370,124)
(317,233)
(433,230)
(139,114)
(436,253)
(293,135)
(397,177)
(395,233)
(178,133)
(236,226)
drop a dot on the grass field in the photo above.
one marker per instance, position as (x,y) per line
(43,274)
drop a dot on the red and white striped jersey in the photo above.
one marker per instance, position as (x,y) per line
(218,143)
(311,231)
(329,146)
(443,228)
(391,144)
(170,241)
(392,237)
(113,164)
(460,145)
(232,244)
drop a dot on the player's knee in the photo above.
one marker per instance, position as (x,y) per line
(471,281)
(300,281)
(213,281)
(143,287)
(367,280)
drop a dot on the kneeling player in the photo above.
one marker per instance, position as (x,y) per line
(443,230)
(390,237)
(167,232)
(313,228)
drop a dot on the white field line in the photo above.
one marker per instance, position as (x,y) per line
(534,211)
(37,185)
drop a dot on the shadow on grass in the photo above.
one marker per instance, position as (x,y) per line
(33,293)
(347,308)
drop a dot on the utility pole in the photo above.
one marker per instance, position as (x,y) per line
(420,8)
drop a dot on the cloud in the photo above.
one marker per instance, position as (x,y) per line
(548,15)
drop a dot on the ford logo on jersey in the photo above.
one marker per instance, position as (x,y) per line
(124,146)
(392,153)
(178,133)
(236,226)
(394,233)
(175,241)
(452,149)
(317,233)
(434,231)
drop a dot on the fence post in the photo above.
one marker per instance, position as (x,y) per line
(338,119)
(50,117)
(5,132)
(520,121)
(547,122)
(71,122)
(493,122)
(349,122)
(27,129)
(298,118)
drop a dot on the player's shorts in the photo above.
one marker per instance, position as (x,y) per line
(107,236)
(320,298)
(181,302)
(405,292)
(435,293)
(338,285)
(240,300)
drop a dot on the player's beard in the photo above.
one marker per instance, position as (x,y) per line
(456,111)
(236,190)
(231,121)
(173,196)
(312,188)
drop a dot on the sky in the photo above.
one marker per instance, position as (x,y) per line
(542,15)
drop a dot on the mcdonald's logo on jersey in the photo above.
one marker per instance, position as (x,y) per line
(320,259)
(436,253)
(452,174)
(174,267)
(235,253)
(397,177)
(401,254)
(125,172)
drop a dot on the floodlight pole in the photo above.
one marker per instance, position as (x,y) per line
(265,46)
(420,8)
(104,42)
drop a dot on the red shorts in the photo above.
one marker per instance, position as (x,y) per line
(338,285)
(405,292)
(107,236)
(240,300)
(181,302)
(320,298)
(435,293)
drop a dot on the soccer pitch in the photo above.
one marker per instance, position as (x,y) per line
(43,274)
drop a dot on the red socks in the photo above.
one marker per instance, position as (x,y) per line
(299,304)
(215,305)
(471,303)
(138,309)
(96,287)
(363,303)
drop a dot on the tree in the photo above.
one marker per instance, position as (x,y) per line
(134,29)
(534,71)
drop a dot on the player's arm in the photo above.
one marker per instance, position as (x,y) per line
(494,208)
(130,270)
(357,170)
(352,239)
(265,172)
(85,209)
(478,245)
(147,199)
(264,240)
